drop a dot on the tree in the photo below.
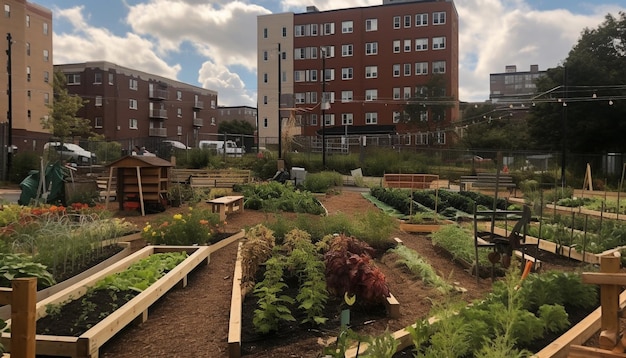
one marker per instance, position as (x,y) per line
(591,114)
(426,110)
(236,126)
(492,127)
(62,121)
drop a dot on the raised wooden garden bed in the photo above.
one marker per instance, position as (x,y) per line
(237,297)
(88,343)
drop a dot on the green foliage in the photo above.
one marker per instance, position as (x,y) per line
(63,122)
(382,346)
(106,152)
(322,182)
(22,164)
(420,268)
(271,305)
(235,126)
(275,197)
(20,265)
(459,242)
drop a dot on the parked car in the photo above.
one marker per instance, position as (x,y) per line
(220,147)
(71,152)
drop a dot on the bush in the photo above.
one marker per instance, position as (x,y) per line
(22,164)
(321,182)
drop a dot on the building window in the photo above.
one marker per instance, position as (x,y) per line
(396,93)
(133,84)
(347,119)
(98,122)
(98,101)
(396,46)
(265,33)
(97,78)
(347,73)
(299,98)
(132,123)
(313,119)
(407,69)
(179,112)
(407,20)
(421,68)
(421,20)
(347,50)
(299,76)
(46,76)
(371,95)
(132,103)
(423,116)
(396,70)
(407,45)
(46,98)
(29,115)
(212,104)
(179,130)
(407,92)
(346,96)
(284,31)
(439,43)
(27,20)
(179,95)
(346,27)
(28,73)
(29,94)
(265,56)
(46,56)
(371,48)
(439,18)
(264,99)
(371,25)
(371,118)
(329,28)
(439,137)
(110,78)
(265,78)
(28,49)
(371,71)
(45,28)
(396,22)
(439,67)
(421,44)
(298,31)
(7,10)
(329,119)
(396,117)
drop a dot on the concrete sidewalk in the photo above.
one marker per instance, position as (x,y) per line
(10,196)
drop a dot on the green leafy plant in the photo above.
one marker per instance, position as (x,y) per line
(420,268)
(271,306)
(197,226)
(19,265)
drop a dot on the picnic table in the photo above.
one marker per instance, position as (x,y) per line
(226,204)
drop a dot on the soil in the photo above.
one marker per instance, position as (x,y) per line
(193,321)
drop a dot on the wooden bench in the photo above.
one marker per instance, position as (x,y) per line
(107,193)
(226,205)
(409,181)
(487,181)
(220,179)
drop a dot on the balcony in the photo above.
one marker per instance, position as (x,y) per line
(198,122)
(157,132)
(158,113)
(158,94)
(198,105)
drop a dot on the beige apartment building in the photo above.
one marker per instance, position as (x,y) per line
(30,29)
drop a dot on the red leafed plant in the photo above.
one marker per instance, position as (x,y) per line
(349,269)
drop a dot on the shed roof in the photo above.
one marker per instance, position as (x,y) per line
(133,161)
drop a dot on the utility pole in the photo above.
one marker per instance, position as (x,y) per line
(280,121)
(10,108)
(323,51)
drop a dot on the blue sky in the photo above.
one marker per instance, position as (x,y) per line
(213,44)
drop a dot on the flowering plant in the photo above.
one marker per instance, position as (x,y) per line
(197,226)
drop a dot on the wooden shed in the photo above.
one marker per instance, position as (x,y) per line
(140,180)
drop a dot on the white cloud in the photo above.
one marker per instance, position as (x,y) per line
(87,43)
(232,90)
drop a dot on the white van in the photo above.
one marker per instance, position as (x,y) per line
(219,145)
(72,153)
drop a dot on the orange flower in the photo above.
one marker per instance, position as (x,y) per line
(204,222)
(53,208)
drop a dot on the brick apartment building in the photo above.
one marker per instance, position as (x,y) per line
(30,29)
(376,59)
(139,108)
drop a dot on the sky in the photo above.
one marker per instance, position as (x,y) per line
(212,44)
